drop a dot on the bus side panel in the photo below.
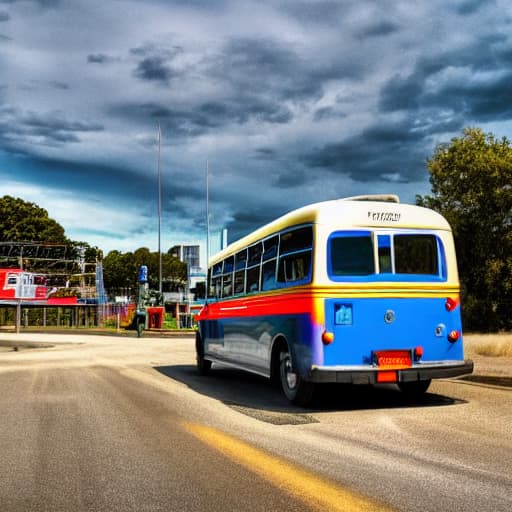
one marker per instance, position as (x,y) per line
(246,339)
(362,325)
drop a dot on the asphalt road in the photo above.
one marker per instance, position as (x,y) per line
(107,423)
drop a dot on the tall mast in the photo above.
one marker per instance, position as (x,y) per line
(159,216)
(207,233)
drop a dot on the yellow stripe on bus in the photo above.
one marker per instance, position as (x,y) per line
(316,492)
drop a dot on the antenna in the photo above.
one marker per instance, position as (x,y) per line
(207,234)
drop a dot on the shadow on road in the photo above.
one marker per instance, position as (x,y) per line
(256,396)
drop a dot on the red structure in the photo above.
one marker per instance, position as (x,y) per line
(28,287)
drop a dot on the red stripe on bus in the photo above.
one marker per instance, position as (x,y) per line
(285,304)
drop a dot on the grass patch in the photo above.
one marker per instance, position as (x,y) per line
(491,345)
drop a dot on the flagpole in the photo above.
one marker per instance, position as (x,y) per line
(207,233)
(159,216)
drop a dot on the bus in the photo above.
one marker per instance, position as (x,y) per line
(360,290)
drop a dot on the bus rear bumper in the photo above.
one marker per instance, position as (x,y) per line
(368,375)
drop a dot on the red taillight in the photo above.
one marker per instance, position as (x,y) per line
(386,376)
(418,353)
(327,337)
(452,303)
(453,336)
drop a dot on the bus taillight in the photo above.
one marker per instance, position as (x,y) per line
(327,337)
(453,336)
(452,303)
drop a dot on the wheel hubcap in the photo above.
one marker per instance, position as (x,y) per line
(291,376)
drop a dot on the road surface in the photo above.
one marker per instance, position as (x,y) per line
(116,423)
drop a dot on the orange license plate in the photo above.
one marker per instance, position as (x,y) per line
(393,358)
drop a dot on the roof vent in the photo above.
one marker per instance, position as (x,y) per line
(386,198)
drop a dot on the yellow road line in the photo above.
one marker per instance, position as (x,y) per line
(317,493)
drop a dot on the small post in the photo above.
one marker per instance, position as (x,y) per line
(18,316)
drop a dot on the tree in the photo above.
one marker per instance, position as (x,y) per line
(121,271)
(471,180)
(21,221)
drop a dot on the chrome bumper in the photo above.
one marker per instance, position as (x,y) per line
(368,374)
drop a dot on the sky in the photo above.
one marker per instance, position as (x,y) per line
(289,101)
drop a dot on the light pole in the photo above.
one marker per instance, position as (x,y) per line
(159,217)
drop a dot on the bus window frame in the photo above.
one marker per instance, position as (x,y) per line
(388,276)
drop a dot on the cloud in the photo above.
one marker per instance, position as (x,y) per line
(472,83)
(22,130)
(380,28)
(291,101)
(378,152)
(155,62)
(100,58)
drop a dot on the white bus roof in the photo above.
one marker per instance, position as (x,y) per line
(347,213)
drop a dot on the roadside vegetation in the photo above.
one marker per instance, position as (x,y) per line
(489,345)
(471,179)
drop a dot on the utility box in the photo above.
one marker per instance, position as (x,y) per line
(155,317)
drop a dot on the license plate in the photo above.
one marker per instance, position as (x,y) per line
(393,358)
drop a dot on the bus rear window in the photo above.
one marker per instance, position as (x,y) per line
(416,254)
(386,256)
(351,254)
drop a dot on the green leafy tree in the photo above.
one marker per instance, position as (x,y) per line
(120,271)
(471,180)
(21,221)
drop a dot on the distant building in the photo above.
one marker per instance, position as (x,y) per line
(191,254)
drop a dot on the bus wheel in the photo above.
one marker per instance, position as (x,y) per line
(296,389)
(414,388)
(203,365)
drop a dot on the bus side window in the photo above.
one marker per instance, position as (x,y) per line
(295,255)
(294,267)
(268,274)
(253,268)
(227,278)
(240,261)
(216,281)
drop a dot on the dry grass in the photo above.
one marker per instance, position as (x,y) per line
(491,345)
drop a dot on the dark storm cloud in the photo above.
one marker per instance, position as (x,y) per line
(319,13)
(485,94)
(19,129)
(154,69)
(155,63)
(265,66)
(379,29)
(99,58)
(59,85)
(4,16)
(89,176)
(196,120)
(376,154)
(467,7)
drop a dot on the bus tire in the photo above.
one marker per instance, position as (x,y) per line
(203,365)
(414,388)
(296,389)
